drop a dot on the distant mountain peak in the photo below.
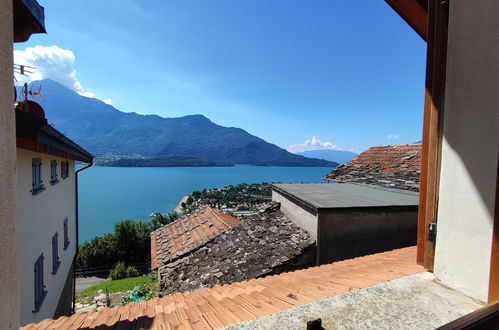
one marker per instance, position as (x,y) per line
(107,132)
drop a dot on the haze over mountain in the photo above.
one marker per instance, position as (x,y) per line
(107,133)
(337,156)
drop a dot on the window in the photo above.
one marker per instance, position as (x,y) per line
(64,169)
(66,234)
(40,291)
(53,172)
(55,253)
(37,184)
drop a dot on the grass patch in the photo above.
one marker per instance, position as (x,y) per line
(86,296)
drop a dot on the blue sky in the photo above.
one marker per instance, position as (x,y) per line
(349,74)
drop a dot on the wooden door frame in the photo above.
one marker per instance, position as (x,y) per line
(436,58)
(494,257)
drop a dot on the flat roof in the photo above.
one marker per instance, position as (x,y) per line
(345,195)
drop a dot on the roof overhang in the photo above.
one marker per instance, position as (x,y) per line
(29,18)
(414,12)
(35,134)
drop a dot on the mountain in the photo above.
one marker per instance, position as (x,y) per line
(174,161)
(109,133)
(331,155)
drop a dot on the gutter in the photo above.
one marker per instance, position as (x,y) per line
(77,231)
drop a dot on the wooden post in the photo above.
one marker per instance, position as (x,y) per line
(436,57)
(494,259)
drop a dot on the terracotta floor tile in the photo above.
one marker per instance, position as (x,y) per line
(241,313)
(231,303)
(212,320)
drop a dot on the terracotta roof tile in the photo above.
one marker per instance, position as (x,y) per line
(188,233)
(392,165)
(228,304)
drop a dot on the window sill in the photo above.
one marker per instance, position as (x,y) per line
(37,190)
(39,303)
(53,182)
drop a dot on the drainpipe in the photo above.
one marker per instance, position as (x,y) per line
(77,230)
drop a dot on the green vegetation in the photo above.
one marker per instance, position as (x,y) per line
(159,219)
(121,271)
(231,196)
(139,293)
(174,161)
(115,286)
(129,243)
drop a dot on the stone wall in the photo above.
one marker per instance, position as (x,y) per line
(264,244)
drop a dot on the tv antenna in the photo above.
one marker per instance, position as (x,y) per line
(23,70)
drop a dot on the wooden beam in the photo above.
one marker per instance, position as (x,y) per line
(494,259)
(414,12)
(432,128)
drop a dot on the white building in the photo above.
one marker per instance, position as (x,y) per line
(46,214)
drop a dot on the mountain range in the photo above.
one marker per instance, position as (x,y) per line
(338,156)
(108,133)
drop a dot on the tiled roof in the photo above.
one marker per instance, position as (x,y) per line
(395,166)
(233,303)
(188,233)
(264,243)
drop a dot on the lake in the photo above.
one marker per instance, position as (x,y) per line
(110,194)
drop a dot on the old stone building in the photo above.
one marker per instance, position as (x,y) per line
(220,249)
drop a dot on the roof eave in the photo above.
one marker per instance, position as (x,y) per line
(34,133)
(29,18)
(414,12)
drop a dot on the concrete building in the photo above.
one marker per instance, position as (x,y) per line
(350,220)
(46,214)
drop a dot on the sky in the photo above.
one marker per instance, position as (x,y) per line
(321,74)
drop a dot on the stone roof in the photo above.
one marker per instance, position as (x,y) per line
(264,243)
(394,166)
(188,233)
(229,304)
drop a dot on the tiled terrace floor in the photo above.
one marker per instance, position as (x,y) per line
(233,303)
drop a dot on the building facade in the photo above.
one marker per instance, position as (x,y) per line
(46,214)
(47,235)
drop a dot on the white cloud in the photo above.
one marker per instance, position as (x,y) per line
(108,101)
(393,137)
(314,144)
(50,62)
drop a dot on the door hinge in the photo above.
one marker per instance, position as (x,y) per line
(432,232)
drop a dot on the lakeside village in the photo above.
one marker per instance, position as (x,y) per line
(124,283)
(245,231)
(238,200)
(405,238)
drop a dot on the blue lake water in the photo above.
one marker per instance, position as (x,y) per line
(110,194)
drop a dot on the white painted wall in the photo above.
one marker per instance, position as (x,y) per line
(39,217)
(9,294)
(297,215)
(470,148)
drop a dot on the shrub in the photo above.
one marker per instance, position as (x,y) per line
(100,251)
(139,293)
(119,271)
(131,271)
(130,242)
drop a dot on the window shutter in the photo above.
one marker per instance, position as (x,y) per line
(39,289)
(66,234)
(55,253)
